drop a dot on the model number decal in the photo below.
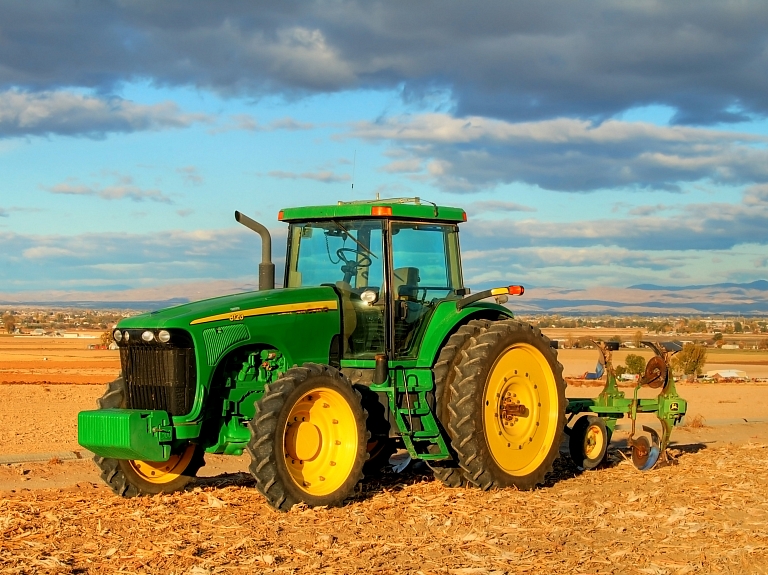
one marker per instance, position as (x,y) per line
(240,315)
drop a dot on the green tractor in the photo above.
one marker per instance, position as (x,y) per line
(373,344)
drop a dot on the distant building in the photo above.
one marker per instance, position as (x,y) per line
(719,374)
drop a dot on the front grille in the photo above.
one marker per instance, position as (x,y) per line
(159,376)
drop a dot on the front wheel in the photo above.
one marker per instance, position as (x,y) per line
(130,478)
(308,438)
(507,408)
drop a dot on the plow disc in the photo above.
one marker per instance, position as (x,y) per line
(655,373)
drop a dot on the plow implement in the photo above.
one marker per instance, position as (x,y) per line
(595,419)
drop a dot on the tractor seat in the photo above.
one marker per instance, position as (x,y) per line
(406,283)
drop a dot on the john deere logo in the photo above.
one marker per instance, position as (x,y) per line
(674,406)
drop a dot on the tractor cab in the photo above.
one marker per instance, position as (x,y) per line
(391,262)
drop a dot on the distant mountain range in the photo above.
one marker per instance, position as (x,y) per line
(647,299)
(760,285)
(148,305)
(749,299)
(137,299)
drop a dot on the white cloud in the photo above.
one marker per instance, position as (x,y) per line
(116,192)
(324,176)
(473,153)
(248,123)
(756,195)
(495,206)
(47,252)
(523,61)
(71,113)
(446,129)
(190,175)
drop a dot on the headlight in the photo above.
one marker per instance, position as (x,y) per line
(148,336)
(369,296)
(126,335)
(164,336)
(117,335)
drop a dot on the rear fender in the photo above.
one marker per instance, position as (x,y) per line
(447,320)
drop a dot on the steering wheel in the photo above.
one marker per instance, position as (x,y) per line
(351,266)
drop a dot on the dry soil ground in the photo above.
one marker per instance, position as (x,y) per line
(56,360)
(705,512)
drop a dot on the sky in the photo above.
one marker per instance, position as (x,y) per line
(592,143)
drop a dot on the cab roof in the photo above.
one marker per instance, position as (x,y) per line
(397,208)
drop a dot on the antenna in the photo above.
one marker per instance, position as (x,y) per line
(354,162)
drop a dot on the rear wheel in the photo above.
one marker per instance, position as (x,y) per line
(507,408)
(308,438)
(131,477)
(445,370)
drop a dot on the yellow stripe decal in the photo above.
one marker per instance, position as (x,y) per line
(310,306)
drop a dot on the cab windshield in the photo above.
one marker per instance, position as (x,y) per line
(336,251)
(376,291)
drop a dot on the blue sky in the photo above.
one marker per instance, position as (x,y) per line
(592,144)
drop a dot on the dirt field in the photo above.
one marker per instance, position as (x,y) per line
(59,360)
(56,360)
(706,512)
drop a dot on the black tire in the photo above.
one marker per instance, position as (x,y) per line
(486,415)
(275,457)
(129,478)
(588,443)
(444,373)
(380,445)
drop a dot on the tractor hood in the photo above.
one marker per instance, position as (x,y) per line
(236,307)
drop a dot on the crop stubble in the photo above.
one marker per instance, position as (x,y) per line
(706,513)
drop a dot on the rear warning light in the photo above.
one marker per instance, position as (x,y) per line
(280,215)
(516,290)
(464,216)
(381,211)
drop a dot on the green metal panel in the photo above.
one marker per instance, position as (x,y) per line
(242,386)
(363,210)
(444,321)
(408,391)
(126,433)
(219,339)
(299,322)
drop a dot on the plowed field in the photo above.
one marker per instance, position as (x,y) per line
(704,512)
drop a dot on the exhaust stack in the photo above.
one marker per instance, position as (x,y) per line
(266,267)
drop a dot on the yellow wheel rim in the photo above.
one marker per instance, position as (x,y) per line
(160,472)
(593,442)
(520,409)
(321,440)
